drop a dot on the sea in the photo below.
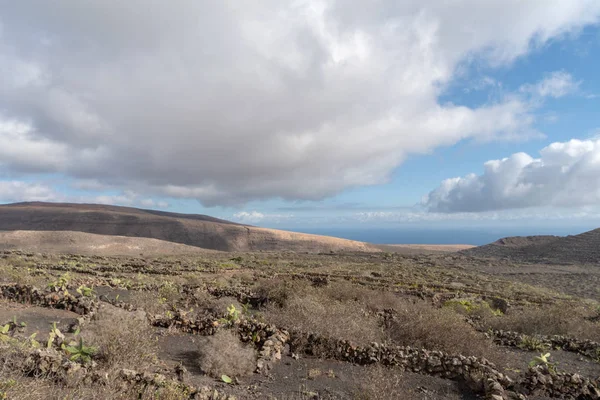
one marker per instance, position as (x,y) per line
(435,236)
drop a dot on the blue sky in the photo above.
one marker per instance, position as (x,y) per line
(322,117)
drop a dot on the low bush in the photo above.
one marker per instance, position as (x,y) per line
(123,339)
(473,307)
(148,301)
(557,319)
(313,311)
(421,325)
(277,291)
(379,383)
(225,354)
(372,299)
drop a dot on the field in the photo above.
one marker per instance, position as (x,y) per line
(283,325)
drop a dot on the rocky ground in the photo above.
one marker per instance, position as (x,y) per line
(296,326)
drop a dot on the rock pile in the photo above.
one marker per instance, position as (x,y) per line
(85,306)
(270,341)
(539,381)
(131,377)
(181,320)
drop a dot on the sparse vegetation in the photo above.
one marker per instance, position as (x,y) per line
(121,340)
(182,316)
(531,343)
(314,311)
(559,319)
(379,383)
(544,360)
(224,354)
(418,324)
(80,352)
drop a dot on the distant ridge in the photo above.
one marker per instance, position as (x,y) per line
(582,248)
(189,229)
(118,209)
(69,242)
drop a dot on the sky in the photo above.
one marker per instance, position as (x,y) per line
(309,115)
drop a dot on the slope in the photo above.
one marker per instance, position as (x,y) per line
(582,248)
(193,230)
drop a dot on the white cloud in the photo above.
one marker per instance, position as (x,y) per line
(12,191)
(482,83)
(126,198)
(253,217)
(565,175)
(151,203)
(557,84)
(230,101)
(17,191)
(594,134)
(539,213)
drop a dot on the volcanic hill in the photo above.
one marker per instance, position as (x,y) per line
(583,248)
(189,229)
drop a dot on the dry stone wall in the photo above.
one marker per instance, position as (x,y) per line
(272,342)
(587,348)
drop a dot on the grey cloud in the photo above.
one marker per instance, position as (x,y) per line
(229,101)
(565,175)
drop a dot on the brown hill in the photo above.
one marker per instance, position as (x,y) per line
(582,248)
(69,242)
(193,230)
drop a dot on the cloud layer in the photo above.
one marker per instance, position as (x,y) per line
(228,102)
(16,191)
(565,175)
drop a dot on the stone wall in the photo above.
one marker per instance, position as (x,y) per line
(272,342)
(587,348)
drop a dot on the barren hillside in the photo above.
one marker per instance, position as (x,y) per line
(193,230)
(582,248)
(69,242)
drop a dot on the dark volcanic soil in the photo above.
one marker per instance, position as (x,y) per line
(309,377)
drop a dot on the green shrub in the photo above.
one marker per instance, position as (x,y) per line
(531,343)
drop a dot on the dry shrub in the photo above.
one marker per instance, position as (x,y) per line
(219,306)
(123,339)
(224,353)
(372,299)
(201,300)
(17,382)
(148,301)
(277,291)
(16,274)
(12,357)
(558,319)
(379,383)
(421,325)
(198,298)
(27,388)
(314,312)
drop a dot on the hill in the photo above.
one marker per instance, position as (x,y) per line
(582,248)
(69,242)
(192,230)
